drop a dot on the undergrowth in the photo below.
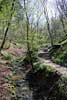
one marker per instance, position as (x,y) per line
(60,56)
(44,81)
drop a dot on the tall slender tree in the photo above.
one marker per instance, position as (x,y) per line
(44,4)
(8,25)
(60,7)
(27,32)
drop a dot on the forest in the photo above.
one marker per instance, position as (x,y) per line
(33,49)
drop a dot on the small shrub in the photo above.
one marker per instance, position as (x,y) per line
(40,66)
(7,56)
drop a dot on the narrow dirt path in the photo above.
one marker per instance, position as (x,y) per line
(45,58)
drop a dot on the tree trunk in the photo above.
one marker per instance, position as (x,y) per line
(50,35)
(48,27)
(4,39)
(44,3)
(28,45)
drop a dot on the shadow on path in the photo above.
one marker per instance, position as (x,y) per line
(44,85)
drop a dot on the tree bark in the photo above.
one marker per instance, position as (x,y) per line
(4,39)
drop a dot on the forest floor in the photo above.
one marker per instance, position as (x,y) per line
(13,85)
(13,75)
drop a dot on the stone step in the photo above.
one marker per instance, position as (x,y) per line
(44,53)
(45,56)
(45,50)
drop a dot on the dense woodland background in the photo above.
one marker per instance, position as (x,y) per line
(43,27)
(32,31)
